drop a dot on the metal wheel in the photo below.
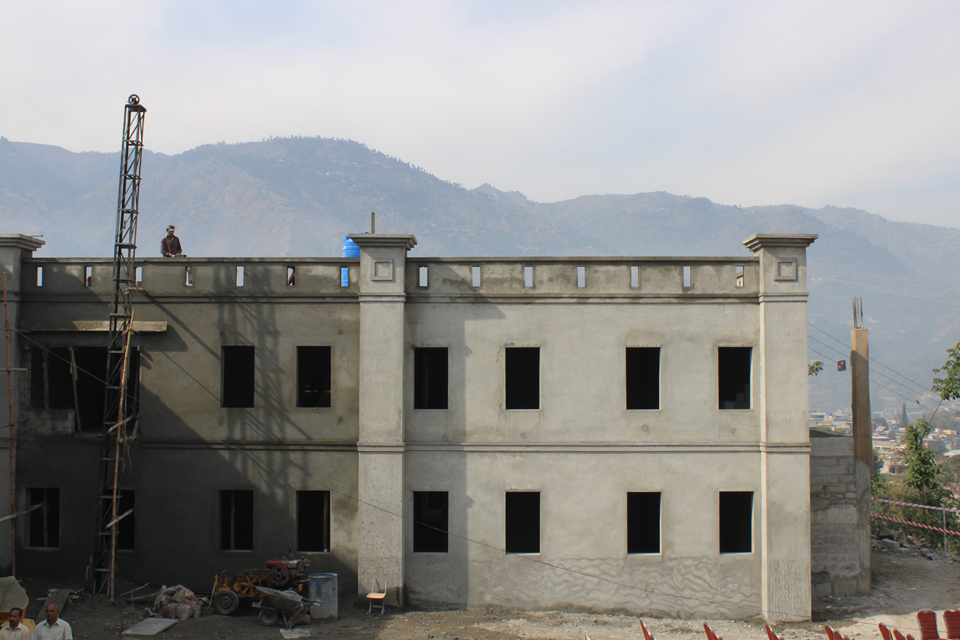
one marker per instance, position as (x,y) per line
(226,602)
(279,577)
(268,617)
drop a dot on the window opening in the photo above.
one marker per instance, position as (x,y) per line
(344,276)
(733,376)
(736,521)
(528,276)
(291,276)
(686,276)
(139,275)
(423,273)
(313,377)
(39,276)
(475,271)
(189,276)
(55,383)
(643,378)
(581,277)
(44,523)
(239,276)
(430,521)
(634,277)
(522,377)
(236,520)
(643,522)
(522,522)
(237,375)
(430,367)
(126,528)
(87,276)
(313,521)
(739,272)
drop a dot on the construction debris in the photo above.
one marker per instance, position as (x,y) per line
(177,602)
(150,627)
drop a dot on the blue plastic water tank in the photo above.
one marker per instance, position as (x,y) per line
(323,586)
(350,248)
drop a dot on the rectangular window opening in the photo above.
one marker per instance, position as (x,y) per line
(313,377)
(686,276)
(55,374)
(643,522)
(126,528)
(430,521)
(313,521)
(87,276)
(44,523)
(236,520)
(581,277)
(736,521)
(430,366)
(634,277)
(733,376)
(424,274)
(528,277)
(643,378)
(239,276)
(237,376)
(739,272)
(475,271)
(522,377)
(522,522)
(139,275)
(39,276)
(189,276)
(344,276)
(291,276)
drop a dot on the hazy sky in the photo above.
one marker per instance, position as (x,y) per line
(845,103)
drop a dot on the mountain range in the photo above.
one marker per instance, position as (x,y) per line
(299,196)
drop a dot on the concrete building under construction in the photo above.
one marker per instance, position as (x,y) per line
(599,433)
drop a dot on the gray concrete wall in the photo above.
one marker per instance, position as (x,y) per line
(582,449)
(837,565)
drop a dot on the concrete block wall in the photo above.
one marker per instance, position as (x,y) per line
(836,564)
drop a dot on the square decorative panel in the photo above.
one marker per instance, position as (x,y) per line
(786,271)
(383,270)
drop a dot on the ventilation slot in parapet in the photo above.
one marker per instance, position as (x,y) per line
(189,277)
(739,271)
(581,277)
(528,276)
(475,272)
(139,275)
(87,276)
(344,276)
(239,276)
(39,276)
(686,276)
(634,277)
(291,276)
(423,275)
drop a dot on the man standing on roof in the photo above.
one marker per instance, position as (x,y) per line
(170,245)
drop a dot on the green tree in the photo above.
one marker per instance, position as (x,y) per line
(815,368)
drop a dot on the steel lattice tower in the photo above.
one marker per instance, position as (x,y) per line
(119,409)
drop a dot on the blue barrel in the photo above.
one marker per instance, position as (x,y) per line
(323,586)
(350,248)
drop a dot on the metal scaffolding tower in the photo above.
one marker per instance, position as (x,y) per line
(119,409)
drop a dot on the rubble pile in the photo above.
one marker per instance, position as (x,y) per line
(177,602)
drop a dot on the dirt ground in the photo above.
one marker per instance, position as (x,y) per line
(902,584)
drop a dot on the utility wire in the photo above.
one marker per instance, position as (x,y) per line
(870,286)
(934,285)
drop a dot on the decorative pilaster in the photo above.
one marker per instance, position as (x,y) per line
(784,541)
(380,446)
